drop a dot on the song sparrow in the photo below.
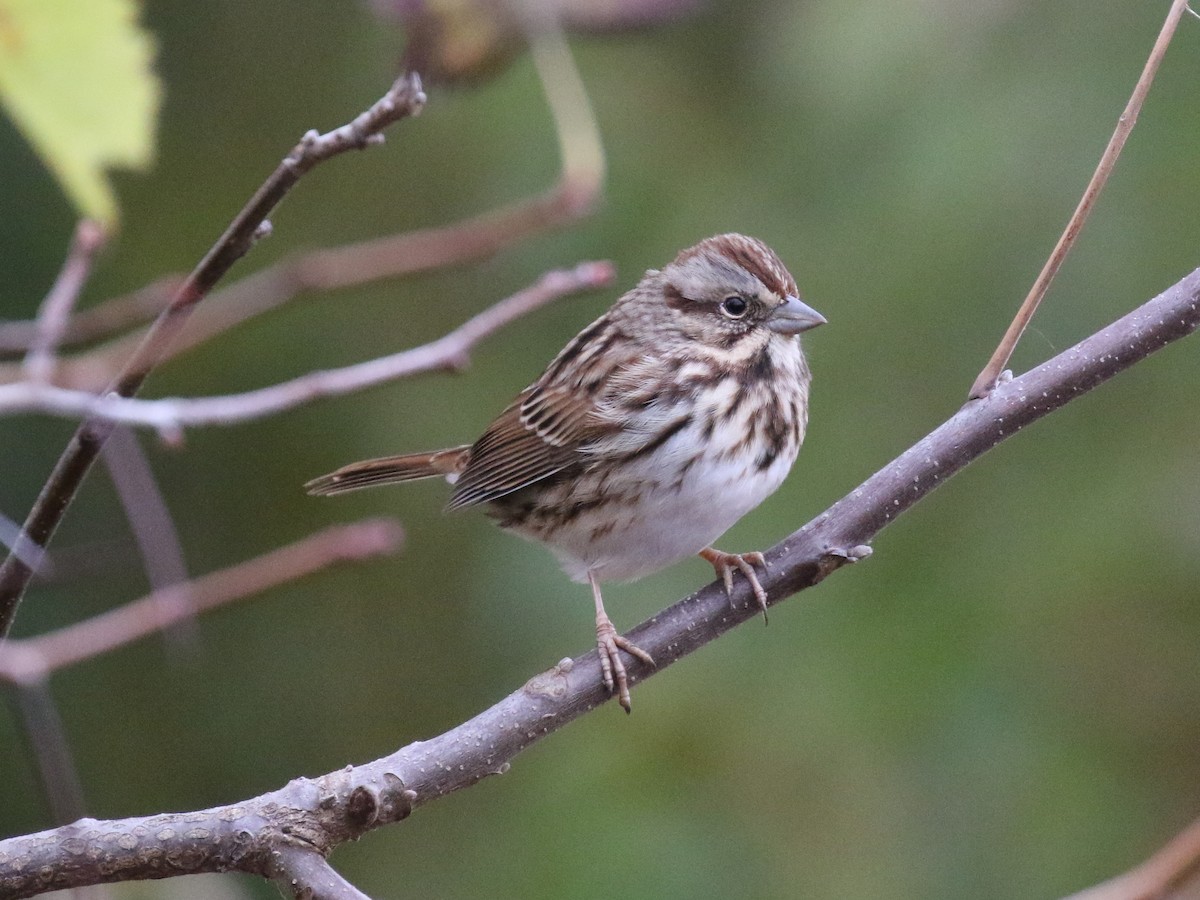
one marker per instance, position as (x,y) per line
(659,426)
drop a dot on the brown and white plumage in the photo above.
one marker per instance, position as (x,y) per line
(651,433)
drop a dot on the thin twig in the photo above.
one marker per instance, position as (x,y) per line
(12,537)
(573,196)
(151,524)
(55,311)
(405,98)
(986,380)
(303,873)
(34,657)
(342,805)
(99,321)
(1168,869)
(43,729)
(450,351)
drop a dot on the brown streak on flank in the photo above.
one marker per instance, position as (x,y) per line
(735,405)
(603,530)
(661,438)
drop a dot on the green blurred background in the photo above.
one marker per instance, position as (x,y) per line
(1000,703)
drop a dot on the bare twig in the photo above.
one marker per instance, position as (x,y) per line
(150,521)
(573,196)
(405,98)
(32,658)
(303,873)
(12,537)
(55,311)
(448,352)
(318,814)
(48,745)
(100,321)
(987,379)
(1170,868)
(146,509)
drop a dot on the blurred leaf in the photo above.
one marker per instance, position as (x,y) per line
(75,77)
(457,40)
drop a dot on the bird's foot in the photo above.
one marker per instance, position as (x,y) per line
(724,564)
(612,668)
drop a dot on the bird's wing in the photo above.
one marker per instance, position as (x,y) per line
(553,426)
(537,436)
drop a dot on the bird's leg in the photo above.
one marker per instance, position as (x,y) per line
(609,644)
(725,563)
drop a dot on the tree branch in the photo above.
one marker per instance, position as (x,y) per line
(405,98)
(33,658)
(43,729)
(449,352)
(986,380)
(116,314)
(304,874)
(318,814)
(1167,870)
(574,194)
(55,311)
(150,522)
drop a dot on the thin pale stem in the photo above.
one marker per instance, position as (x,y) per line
(579,184)
(55,311)
(99,321)
(43,729)
(449,352)
(150,521)
(1167,870)
(987,379)
(28,658)
(404,99)
(303,873)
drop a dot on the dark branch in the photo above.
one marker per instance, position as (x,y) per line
(573,195)
(404,99)
(315,815)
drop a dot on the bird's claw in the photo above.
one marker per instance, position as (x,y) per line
(725,563)
(612,669)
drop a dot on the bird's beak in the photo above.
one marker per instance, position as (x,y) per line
(794,316)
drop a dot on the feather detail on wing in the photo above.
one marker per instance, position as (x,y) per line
(539,435)
(391,470)
(551,427)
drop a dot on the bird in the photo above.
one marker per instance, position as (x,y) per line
(651,433)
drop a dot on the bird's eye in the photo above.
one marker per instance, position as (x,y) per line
(735,307)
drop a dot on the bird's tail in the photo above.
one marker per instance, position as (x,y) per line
(391,470)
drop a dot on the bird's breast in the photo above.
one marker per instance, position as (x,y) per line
(720,452)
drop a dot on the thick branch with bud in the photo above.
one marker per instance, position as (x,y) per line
(285,835)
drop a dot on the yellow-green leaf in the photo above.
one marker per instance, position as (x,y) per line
(75,76)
